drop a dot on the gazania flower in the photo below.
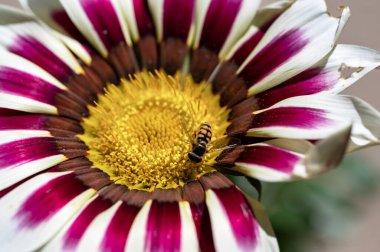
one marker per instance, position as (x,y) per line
(119,119)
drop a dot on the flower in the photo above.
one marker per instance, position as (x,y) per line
(119,119)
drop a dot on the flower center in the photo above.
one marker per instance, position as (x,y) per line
(141,132)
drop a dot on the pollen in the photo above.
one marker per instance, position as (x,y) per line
(141,131)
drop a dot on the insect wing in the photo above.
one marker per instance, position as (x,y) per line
(223,143)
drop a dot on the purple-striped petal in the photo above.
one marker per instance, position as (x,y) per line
(221,23)
(234,225)
(24,156)
(265,155)
(172,20)
(325,77)
(51,13)
(286,160)
(34,43)
(163,227)
(101,22)
(264,18)
(139,19)
(81,223)
(37,209)
(70,236)
(19,83)
(288,47)
(117,232)
(317,116)
(26,87)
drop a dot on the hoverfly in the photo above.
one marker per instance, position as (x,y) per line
(202,143)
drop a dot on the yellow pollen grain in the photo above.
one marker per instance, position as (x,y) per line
(141,132)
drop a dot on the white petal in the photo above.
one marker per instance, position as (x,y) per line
(289,160)
(310,18)
(135,242)
(44,11)
(92,238)
(189,239)
(19,236)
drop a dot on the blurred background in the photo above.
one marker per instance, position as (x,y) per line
(338,211)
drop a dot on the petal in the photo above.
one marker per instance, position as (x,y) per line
(95,233)
(138,232)
(26,87)
(189,238)
(69,237)
(264,18)
(25,156)
(101,22)
(173,20)
(119,228)
(315,116)
(289,46)
(220,23)
(51,13)
(163,230)
(38,125)
(30,40)
(138,17)
(234,225)
(285,160)
(37,209)
(326,76)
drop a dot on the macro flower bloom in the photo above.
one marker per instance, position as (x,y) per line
(119,119)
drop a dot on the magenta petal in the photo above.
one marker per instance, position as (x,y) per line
(247,47)
(16,82)
(62,19)
(31,49)
(27,122)
(26,150)
(309,82)
(163,227)
(299,117)
(178,18)
(81,223)
(143,19)
(47,200)
(218,23)
(201,217)
(105,21)
(276,53)
(270,157)
(117,232)
(240,215)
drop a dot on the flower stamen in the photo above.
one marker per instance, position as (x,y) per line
(140,133)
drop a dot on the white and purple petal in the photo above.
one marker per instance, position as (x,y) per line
(288,46)
(37,209)
(326,76)
(69,237)
(285,159)
(173,20)
(139,19)
(34,43)
(234,225)
(101,22)
(96,231)
(317,116)
(26,87)
(26,156)
(52,14)
(219,23)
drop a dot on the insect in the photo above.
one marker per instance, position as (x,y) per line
(201,139)
(202,143)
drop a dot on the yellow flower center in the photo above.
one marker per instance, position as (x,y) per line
(140,133)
